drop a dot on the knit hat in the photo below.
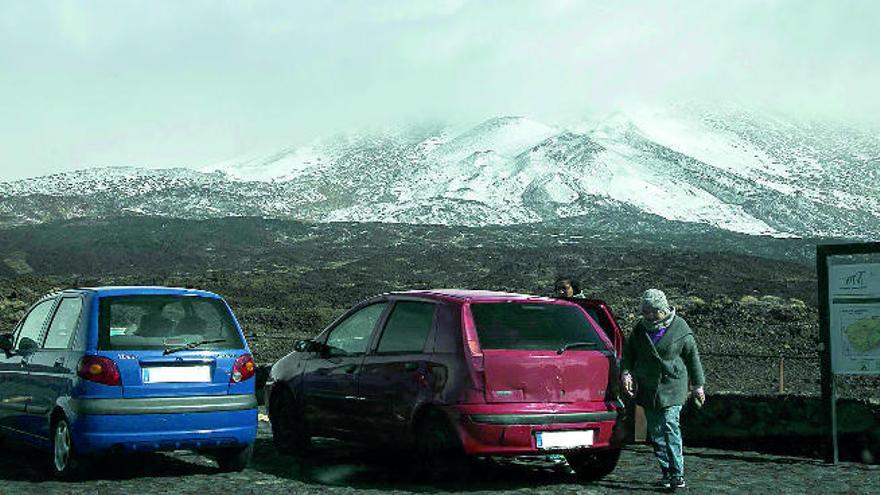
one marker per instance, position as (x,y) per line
(654,299)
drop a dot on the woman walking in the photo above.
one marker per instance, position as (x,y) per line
(660,360)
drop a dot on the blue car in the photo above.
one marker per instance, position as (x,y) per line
(128,370)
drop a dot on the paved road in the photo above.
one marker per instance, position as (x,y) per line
(333,468)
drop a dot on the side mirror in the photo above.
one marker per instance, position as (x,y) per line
(307,346)
(7,340)
(27,344)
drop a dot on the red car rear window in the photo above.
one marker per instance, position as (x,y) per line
(514,326)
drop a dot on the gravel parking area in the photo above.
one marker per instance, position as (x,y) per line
(332,468)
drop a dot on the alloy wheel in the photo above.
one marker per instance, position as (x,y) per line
(62,446)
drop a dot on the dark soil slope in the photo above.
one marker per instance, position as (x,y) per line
(751,301)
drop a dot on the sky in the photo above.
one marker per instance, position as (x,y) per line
(164,83)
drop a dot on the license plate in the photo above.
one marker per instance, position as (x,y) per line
(177,374)
(564,439)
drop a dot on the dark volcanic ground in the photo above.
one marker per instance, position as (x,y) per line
(751,301)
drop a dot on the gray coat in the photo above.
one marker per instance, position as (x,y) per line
(662,373)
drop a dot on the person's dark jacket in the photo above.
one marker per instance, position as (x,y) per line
(662,373)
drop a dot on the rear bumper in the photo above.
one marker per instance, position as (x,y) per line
(501,429)
(143,427)
(543,419)
(164,405)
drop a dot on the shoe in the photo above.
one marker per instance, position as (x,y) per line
(678,482)
(665,481)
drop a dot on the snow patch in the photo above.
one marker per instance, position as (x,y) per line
(713,147)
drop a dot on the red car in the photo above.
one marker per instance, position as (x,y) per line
(457,373)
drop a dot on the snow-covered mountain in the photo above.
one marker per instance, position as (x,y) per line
(728,168)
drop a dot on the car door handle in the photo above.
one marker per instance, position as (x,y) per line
(350,368)
(411,366)
(59,363)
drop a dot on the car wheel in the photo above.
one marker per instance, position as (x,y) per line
(65,463)
(593,466)
(439,454)
(289,431)
(235,459)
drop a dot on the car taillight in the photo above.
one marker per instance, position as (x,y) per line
(99,369)
(243,369)
(473,350)
(476,355)
(612,391)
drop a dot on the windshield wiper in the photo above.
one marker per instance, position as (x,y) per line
(575,344)
(191,345)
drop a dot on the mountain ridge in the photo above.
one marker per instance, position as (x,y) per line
(732,170)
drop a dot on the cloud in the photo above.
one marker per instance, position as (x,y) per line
(174,83)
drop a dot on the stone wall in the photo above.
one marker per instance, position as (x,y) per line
(784,424)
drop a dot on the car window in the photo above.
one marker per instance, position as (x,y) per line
(602,320)
(63,323)
(408,327)
(596,315)
(145,322)
(532,326)
(31,328)
(353,334)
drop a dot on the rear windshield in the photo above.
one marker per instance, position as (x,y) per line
(159,322)
(516,326)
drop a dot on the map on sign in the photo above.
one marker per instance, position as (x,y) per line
(854,317)
(864,335)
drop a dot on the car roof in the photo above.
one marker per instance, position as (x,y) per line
(464,295)
(135,290)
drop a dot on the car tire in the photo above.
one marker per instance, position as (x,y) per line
(593,466)
(233,460)
(64,462)
(290,433)
(438,451)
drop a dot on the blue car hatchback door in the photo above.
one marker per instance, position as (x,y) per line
(129,369)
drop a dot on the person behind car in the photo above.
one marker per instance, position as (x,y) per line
(565,287)
(660,359)
(568,288)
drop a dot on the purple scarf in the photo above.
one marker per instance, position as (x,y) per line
(655,337)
